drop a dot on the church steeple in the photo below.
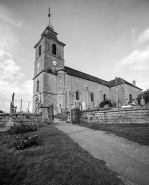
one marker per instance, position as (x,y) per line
(49,23)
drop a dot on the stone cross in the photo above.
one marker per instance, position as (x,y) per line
(13,97)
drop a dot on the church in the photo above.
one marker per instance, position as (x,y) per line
(64,87)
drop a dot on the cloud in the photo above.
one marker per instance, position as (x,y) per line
(8,40)
(12,78)
(138,59)
(143,37)
(9,70)
(28,86)
(6,15)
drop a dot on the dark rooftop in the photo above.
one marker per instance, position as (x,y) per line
(80,74)
(110,83)
(120,81)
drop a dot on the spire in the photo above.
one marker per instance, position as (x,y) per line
(49,23)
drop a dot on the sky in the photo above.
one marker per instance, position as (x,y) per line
(104,38)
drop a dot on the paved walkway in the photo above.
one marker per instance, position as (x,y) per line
(129,159)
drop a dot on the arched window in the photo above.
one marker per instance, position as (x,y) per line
(77,95)
(38,86)
(130,98)
(92,97)
(53,49)
(39,50)
(104,97)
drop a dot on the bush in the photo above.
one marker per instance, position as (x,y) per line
(145,95)
(24,141)
(22,128)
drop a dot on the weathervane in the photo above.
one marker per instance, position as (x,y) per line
(49,14)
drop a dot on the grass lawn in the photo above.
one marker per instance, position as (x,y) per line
(57,160)
(134,132)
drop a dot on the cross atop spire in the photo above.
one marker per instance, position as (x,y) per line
(49,14)
(49,23)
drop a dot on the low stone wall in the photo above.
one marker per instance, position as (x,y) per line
(115,115)
(7,119)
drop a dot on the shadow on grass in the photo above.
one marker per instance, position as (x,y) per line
(56,161)
(134,132)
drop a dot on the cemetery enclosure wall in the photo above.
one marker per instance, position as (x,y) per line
(7,119)
(115,115)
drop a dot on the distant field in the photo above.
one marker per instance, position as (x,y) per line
(56,160)
(134,132)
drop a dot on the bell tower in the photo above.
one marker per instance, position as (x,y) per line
(49,59)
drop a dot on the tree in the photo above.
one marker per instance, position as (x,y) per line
(1,111)
(145,95)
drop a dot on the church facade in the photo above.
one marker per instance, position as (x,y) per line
(64,87)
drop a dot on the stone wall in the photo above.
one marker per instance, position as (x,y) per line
(131,90)
(115,115)
(118,93)
(7,119)
(85,88)
(122,92)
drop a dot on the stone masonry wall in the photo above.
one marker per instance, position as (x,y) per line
(127,115)
(7,119)
(74,84)
(131,90)
(118,93)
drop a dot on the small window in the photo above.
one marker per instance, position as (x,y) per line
(53,49)
(59,87)
(130,98)
(104,97)
(92,97)
(38,86)
(77,95)
(59,76)
(39,50)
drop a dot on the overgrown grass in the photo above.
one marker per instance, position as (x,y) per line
(56,161)
(134,132)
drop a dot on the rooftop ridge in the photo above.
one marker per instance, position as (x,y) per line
(86,76)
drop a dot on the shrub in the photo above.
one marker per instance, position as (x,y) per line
(24,141)
(22,128)
(145,95)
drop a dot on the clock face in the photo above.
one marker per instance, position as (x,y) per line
(54,63)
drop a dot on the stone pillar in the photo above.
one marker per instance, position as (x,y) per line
(47,113)
(75,113)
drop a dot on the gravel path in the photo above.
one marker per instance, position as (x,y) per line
(129,159)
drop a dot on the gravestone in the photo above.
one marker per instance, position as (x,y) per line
(142,101)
